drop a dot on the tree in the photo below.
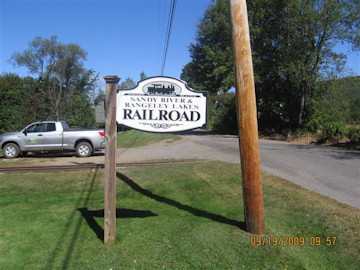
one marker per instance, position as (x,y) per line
(61,74)
(130,83)
(342,98)
(212,62)
(142,76)
(223,110)
(292,43)
(20,103)
(127,84)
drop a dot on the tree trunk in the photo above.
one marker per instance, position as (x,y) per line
(302,107)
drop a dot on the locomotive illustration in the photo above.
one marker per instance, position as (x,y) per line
(161,89)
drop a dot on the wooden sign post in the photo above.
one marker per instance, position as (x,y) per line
(110,160)
(247,119)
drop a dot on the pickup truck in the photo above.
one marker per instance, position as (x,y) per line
(51,136)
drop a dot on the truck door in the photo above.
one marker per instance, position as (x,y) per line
(32,139)
(52,139)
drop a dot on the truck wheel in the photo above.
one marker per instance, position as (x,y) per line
(84,149)
(11,150)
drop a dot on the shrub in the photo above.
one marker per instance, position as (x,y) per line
(328,124)
(223,113)
(333,131)
(353,133)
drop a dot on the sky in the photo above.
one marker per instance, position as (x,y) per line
(121,37)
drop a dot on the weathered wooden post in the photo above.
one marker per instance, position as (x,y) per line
(110,160)
(247,119)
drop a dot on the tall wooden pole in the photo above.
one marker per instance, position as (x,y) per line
(110,162)
(247,119)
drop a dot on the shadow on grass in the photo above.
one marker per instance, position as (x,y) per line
(61,243)
(89,216)
(192,210)
(72,227)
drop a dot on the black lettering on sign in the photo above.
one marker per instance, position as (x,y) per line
(162,115)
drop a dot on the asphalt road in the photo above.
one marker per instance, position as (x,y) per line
(329,171)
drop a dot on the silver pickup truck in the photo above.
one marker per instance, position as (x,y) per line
(51,136)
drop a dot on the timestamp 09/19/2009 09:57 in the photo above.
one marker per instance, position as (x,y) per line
(313,241)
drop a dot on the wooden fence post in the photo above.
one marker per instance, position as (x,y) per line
(110,160)
(247,119)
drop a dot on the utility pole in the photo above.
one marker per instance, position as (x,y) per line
(247,119)
(110,160)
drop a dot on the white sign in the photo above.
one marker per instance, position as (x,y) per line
(161,104)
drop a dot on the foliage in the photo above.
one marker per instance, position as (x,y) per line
(333,131)
(142,76)
(127,84)
(63,80)
(211,67)
(353,133)
(20,102)
(292,43)
(223,113)
(334,107)
(343,96)
(180,216)
(326,123)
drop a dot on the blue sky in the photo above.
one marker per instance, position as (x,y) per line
(121,37)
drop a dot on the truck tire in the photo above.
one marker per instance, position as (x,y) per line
(11,150)
(84,149)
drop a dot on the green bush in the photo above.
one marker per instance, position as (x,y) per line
(327,123)
(333,131)
(223,113)
(353,133)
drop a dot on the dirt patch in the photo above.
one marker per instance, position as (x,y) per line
(303,139)
(311,139)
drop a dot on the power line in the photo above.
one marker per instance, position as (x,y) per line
(168,33)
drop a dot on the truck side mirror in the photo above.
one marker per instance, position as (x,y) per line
(25,132)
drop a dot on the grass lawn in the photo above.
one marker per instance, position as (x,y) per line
(184,216)
(136,138)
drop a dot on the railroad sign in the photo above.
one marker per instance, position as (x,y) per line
(162,104)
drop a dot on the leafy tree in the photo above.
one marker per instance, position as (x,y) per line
(354,134)
(127,84)
(20,103)
(292,42)
(295,40)
(223,110)
(130,83)
(350,105)
(211,67)
(62,76)
(326,121)
(337,101)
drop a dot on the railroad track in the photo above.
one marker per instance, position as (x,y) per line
(86,166)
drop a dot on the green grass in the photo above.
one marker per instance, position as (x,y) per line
(183,216)
(136,138)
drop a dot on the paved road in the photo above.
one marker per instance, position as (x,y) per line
(329,171)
